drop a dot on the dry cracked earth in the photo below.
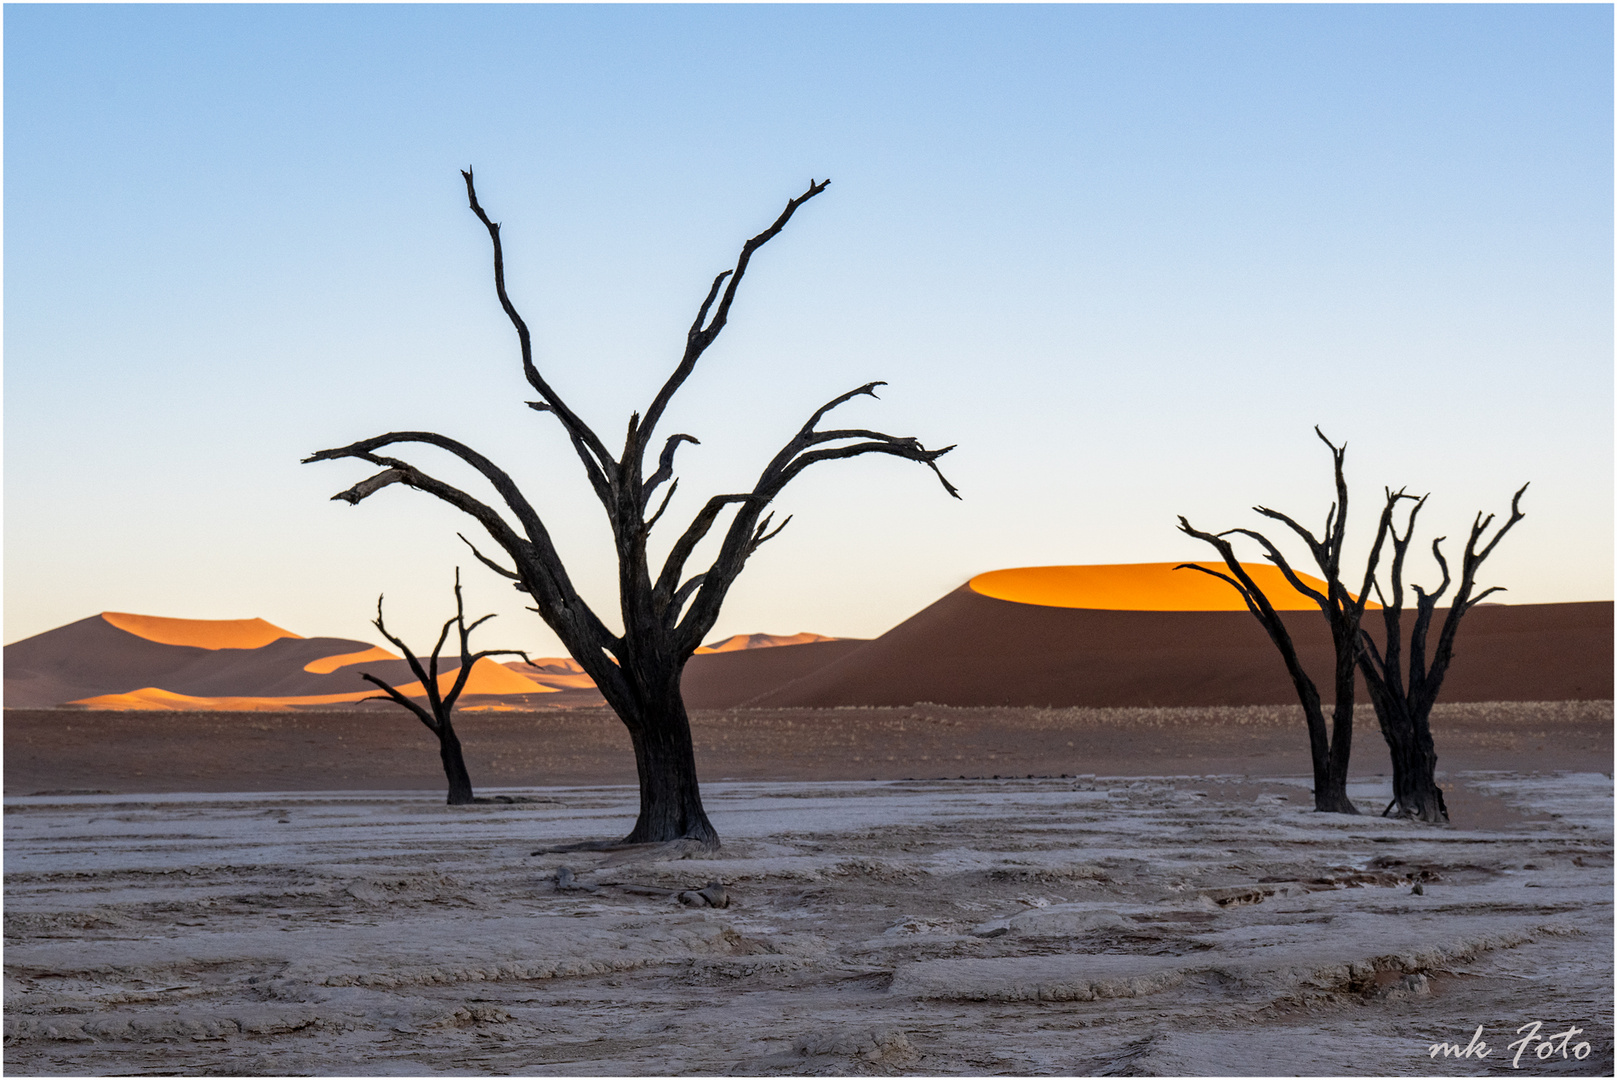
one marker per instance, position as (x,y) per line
(1133,926)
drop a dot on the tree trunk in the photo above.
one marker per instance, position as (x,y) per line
(1330,792)
(1414,767)
(1414,786)
(1333,797)
(460,782)
(1330,759)
(670,800)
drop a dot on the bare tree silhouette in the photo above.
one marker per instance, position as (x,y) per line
(439,704)
(664,617)
(1403,688)
(1330,750)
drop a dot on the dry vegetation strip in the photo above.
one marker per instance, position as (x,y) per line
(52,750)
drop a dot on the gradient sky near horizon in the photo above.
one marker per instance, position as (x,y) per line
(1124,257)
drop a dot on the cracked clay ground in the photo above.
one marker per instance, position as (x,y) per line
(1088,926)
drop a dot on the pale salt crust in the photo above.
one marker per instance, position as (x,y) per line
(1176,926)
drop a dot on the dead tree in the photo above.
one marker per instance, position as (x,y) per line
(440,705)
(1343,611)
(664,617)
(1403,688)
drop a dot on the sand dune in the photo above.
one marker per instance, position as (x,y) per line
(98,663)
(553,673)
(1141,587)
(727,679)
(199,633)
(149,698)
(971,649)
(326,665)
(760,641)
(718,676)
(487,678)
(1118,635)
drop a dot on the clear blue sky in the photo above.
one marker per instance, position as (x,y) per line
(1125,257)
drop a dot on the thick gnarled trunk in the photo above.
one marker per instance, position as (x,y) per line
(1415,793)
(1414,782)
(1330,772)
(670,798)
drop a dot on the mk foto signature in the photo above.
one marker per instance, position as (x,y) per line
(1547,1046)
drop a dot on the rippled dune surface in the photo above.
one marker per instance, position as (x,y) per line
(1145,925)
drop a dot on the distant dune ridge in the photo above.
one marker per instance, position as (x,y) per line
(120,661)
(740,642)
(1140,634)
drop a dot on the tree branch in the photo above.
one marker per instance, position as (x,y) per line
(665,467)
(674,565)
(806,448)
(1273,554)
(700,336)
(668,497)
(365,450)
(684,593)
(366,488)
(398,698)
(536,557)
(488,562)
(570,420)
(762,534)
(1338,535)
(428,683)
(1316,547)
(1246,596)
(1475,600)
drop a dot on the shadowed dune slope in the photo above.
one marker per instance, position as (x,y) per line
(720,678)
(970,649)
(723,680)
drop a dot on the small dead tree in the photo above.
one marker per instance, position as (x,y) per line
(666,616)
(1403,688)
(1330,750)
(439,704)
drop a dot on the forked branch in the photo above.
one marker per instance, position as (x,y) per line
(746,534)
(700,336)
(441,704)
(570,420)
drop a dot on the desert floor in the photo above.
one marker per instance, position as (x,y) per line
(386,748)
(1165,917)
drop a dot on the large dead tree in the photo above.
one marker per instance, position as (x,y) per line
(1330,749)
(437,715)
(1404,687)
(666,616)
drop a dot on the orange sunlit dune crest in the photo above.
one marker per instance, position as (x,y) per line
(199,633)
(487,677)
(491,677)
(327,664)
(150,698)
(1141,587)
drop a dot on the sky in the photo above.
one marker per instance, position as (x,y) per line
(1125,258)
